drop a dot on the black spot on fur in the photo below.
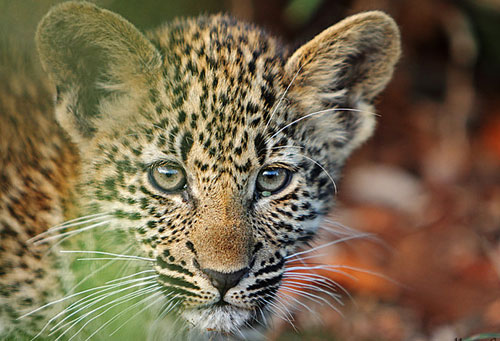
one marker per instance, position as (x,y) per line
(186,144)
(260,148)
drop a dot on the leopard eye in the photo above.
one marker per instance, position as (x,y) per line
(168,178)
(272,180)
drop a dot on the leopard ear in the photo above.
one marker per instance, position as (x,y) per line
(92,55)
(345,66)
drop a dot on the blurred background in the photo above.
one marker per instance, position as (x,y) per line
(427,184)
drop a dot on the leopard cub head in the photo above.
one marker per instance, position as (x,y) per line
(215,145)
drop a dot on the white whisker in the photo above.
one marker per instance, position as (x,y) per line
(314,114)
(140,311)
(296,301)
(282,97)
(116,303)
(71,233)
(340,240)
(97,291)
(108,258)
(308,257)
(316,278)
(329,268)
(300,285)
(313,161)
(168,306)
(337,228)
(90,275)
(113,303)
(88,302)
(322,168)
(121,313)
(108,254)
(133,275)
(312,297)
(68,224)
(277,311)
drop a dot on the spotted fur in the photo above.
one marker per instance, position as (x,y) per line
(224,100)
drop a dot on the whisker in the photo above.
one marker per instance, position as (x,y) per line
(369,272)
(340,240)
(298,120)
(317,278)
(335,227)
(140,311)
(282,97)
(121,313)
(133,275)
(297,302)
(100,268)
(314,114)
(288,314)
(308,257)
(313,161)
(88,302)
(264,318)
(71,233)
(260,334)
(108,254)
(333,268)
(113,303)
(70,223)
(276,312)
(93,298)
(312,297)
(299,285)
(168,307)
(285,147)
(74,305)
(81,218)
(329,268)
(323,169)
(111,307)
(108,258)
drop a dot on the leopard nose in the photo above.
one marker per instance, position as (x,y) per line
(225,281)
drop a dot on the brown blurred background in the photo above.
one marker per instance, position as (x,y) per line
(427,184)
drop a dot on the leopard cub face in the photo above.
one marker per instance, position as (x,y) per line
(212,143)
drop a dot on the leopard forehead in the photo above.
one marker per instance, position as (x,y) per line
(220,80)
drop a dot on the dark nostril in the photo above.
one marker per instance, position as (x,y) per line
(225,281)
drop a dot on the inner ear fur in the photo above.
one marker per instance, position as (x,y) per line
(356,57)
(90,53)
(345,66)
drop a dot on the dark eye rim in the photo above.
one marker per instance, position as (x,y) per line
(157,186)
(289,175)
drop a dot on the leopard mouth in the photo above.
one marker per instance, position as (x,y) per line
(223,318)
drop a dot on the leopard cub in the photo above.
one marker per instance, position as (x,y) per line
(209,148)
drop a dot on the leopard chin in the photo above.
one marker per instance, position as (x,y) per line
(223,319)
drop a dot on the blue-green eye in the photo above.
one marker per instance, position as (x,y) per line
(168,178)
(272,180)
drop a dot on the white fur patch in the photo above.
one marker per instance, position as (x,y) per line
(227,319)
